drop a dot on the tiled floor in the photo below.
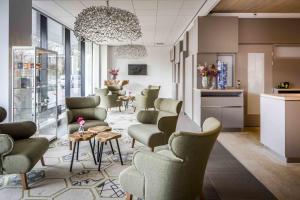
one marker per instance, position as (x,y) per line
(226,178)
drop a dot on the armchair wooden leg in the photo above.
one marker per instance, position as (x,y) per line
(202,196)
(70,145)
(132,143)
(120,109)
(134,109)
(43,161)
(128,196)
(24,181)
(152,149)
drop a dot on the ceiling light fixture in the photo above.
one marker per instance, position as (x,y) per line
(131,51)
(105,24)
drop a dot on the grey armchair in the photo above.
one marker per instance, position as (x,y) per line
(173,174)
(19,153)
(87,107)
(108,101)
(156,125)
(146,99)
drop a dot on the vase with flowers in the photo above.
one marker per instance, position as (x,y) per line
(114,72)
(213,72)
(80,121)
(204,73)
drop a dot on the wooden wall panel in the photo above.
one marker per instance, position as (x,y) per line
(218,35)
(269,31)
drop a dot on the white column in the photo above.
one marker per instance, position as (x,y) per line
(104,64)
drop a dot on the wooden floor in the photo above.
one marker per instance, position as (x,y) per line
(282,179)
(226,178)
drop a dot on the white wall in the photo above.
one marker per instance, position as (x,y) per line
(159,70)
(4,54)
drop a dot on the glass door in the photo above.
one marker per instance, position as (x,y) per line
(46,93)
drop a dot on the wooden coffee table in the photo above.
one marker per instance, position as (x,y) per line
(99,129)
(103,138)
(126,99)
(76,137)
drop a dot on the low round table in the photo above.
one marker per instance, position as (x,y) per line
(99,129)
(126,100)
(76,137)
(103,138)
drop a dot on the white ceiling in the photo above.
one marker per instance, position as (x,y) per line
(162,21)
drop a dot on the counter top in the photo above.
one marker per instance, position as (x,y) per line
(284,97)
(217,90)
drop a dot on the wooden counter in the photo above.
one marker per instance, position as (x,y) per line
(225,105)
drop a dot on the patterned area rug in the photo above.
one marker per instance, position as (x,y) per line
(54,181)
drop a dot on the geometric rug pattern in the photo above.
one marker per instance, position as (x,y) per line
(54,181)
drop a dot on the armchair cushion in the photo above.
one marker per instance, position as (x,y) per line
(82,102)
(18,130)
(147,117)
(72,127)
(148,134)
(6,144)
(24,155)
(129,176)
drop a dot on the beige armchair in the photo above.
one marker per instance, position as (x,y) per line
(173,174)
(156,125)
(86,107)
(19,152)
(108,101)
(146,99)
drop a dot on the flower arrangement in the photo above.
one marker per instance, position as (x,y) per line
(114,73)
(203,70)
(213,71)
(80,120)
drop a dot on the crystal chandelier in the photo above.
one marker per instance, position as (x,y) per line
(104,24)
(132,51)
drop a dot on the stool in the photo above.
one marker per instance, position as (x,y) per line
(103,138)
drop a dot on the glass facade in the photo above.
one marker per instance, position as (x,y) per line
(56,42)
(36,29)
(88,68)
(75,79)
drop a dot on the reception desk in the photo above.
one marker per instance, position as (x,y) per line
(280,124)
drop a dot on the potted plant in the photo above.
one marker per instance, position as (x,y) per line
(204,73)
(114,72)
(80,121)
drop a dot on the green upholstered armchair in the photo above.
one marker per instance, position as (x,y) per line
(146,99)
(173,174)
(108,101)
(87,107)
(18,151)
(156,125)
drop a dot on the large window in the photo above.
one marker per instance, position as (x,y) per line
(88,68)
(75,78)
(56,42)
(36,29)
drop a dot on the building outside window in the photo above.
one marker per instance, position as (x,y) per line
(75,78)
(88,68)
(56,42)
(36,29)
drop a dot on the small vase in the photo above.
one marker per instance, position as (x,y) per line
(114,77)
(81,130)
(205,82)
(213,83)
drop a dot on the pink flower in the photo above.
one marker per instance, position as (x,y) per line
(80,120)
